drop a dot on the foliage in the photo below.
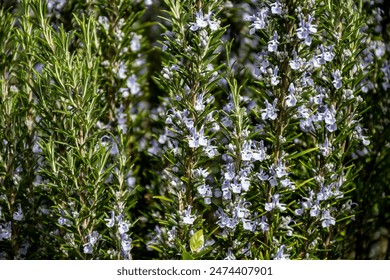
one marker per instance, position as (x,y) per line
(194,129)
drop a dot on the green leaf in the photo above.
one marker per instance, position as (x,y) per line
(155,248)
(197,241)
(302,153)
(305,182)
(186,256)
(300,236)
(163,198)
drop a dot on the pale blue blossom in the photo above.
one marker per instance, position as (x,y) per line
(263,224)
(315,209)
(204,191)
(262,175)
(199,102)
(93,237)
(197,139)
(328,54)
(18,215)
(135,44)
(275,204)
(201,173)
(241,209)
(306,125)
(5,231)
(296,62)
(304,112)
(126,243)
(280,255)
(330,119)
(291,100)
(258,151)
(226,190)
(270,111)
(55,5)
(230,255)
(244,183)
(306,79)
(229,171)
(287,183)
(259,21)
(88,249)
(358,132)
(337,79)
(326,148)
(262,64)
(224,221)
(327,219)
(133,85)
(111,221)
(273,44)
(274,77)
(202,22)
(122,70)
(210,150)
(123,227)
(280,170)
(92,240)
(64,221)
(305,29)
(246,150)
(276,8)
(188,219)
(285,222)
(248,224)
(104,22)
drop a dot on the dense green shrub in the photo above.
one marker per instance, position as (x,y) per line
(194,129)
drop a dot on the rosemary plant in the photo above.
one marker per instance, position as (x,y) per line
(146,129)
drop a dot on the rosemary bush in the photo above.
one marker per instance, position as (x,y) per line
(194,129)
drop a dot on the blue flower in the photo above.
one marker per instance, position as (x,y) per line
(270,112)
(276,8)
(337,80)
(111,221)
(275,204)
(204,21)
(5,231)
(273,44)
(126,243)
(280,255)
(18,215)
(291,100)
(88,249)
(326,148)
(204,190)
(210,150)
(197,138)
(264,226)
(188,219)
(133,85)
(248,224)
(305,29)
(275,77)
(327,219)
(295,63)
(92,240)
(123,227)
(259,21)
(226,190)
(230,255)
